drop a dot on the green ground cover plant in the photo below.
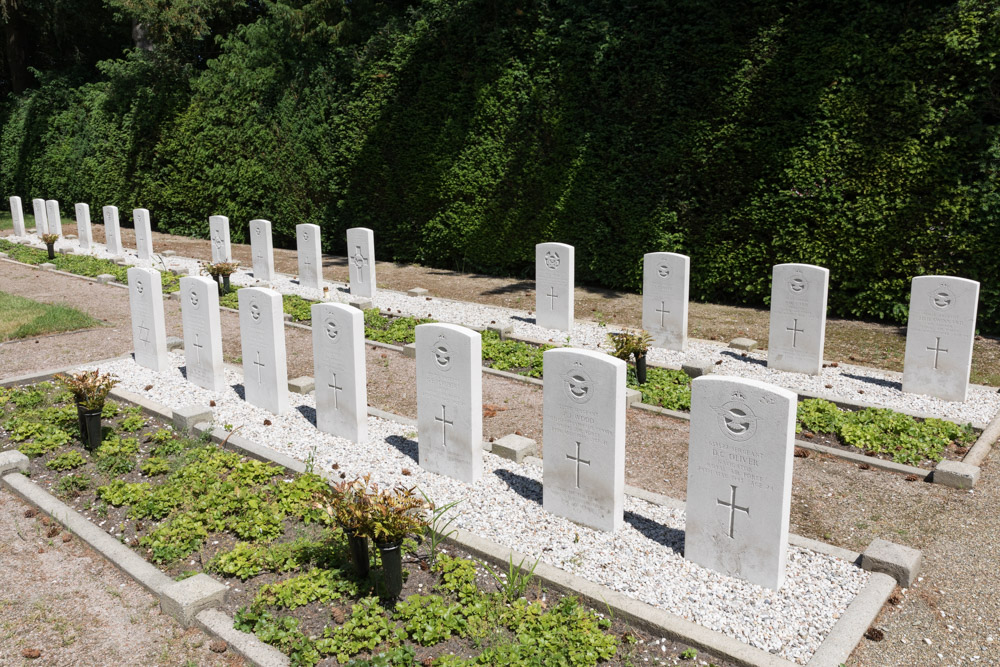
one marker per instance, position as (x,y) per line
(267,530)
(24,318)
(903,438)
(663,387)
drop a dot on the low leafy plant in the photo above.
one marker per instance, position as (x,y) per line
(664,387)
(66,461)
(316,585)
(512,355)
(155,465)
(72,485)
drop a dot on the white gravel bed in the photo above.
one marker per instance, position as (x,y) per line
(847,382)
(641,560)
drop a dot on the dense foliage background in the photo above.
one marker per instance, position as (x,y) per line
(857,135)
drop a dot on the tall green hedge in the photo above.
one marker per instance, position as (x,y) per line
(858,135)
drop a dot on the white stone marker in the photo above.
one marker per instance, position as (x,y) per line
(261,249)
(798,318)
(262,335)
(583,429)
(112,230)
(310,256)
(361,261)
(939,335)
(52,217)
(739,486)
(149,333)
(202,332)
(554,280)
(84,231)
(450,400)
(17,214)
(665,281)
(218,226)
(339,370)
(143,233)
(38,208)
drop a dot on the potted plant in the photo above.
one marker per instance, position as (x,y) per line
(395,514)
(221,272)
(50,242)
(633,344)
(348,504)
(90,389)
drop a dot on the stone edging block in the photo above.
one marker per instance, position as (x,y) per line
(899,562)
(410,350)
(186,417)
(301,385)
(416,291)
(956,474)
(187,598)
(514,447)
(11,461)
(744,344)
(632,396)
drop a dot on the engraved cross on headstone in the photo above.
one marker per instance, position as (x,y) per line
(143,332)
(552,298)
(937,350)
(578,462)
(336,391)
(795,331)
(259,366)
(197,349)
(662,310)
(359,261)
(445,423)
(733,507)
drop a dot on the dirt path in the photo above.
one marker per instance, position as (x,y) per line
(72,606)
(952,606)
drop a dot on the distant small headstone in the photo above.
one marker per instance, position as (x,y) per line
(52,217)
(17,215)
(554,284)
(310,256)
(739,485)
(584,437)
(38,209)
(84,229)
(149,333)
(798,318)
(939,336)
(361,261)
(339,365)
(262,250)
(262,335)
(143,233)
(665,279)
(218,230)
(450,400)
(112,230)
(202,332)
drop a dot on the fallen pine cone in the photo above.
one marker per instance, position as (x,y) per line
(864,466)
(218,646)
(874,634)
(336,466)
(911,478)
(338,615)
(31,653)
(267,422)
(406,472)
(46,520)
(53,531)
(894,599)
(66,537)
(30,512)
(802,453)
(147,387)
(719,362)
(211,403)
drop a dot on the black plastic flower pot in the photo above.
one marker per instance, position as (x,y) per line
(225,284)
(90,427)
(392,567)
(359,554)
(640,369)
(52,250)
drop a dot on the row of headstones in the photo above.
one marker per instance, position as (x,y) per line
(740,460)
(939,335)
(940,331)
(360,241)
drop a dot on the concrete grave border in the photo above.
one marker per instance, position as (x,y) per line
(841,641)
(962,474)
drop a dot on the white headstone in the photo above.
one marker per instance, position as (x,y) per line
(52,217)
(939,336)
(262,334)
(665,278)
(143,233)
(361,261)
(262,250)
(112,230)
(218,228)
(798,318)
(202,332)
(554,283)
(310,256)
(739,485)
(450,400)
(17,214)
(38,208)
(339,370)
(149,333)
(84,231)
(584,437)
